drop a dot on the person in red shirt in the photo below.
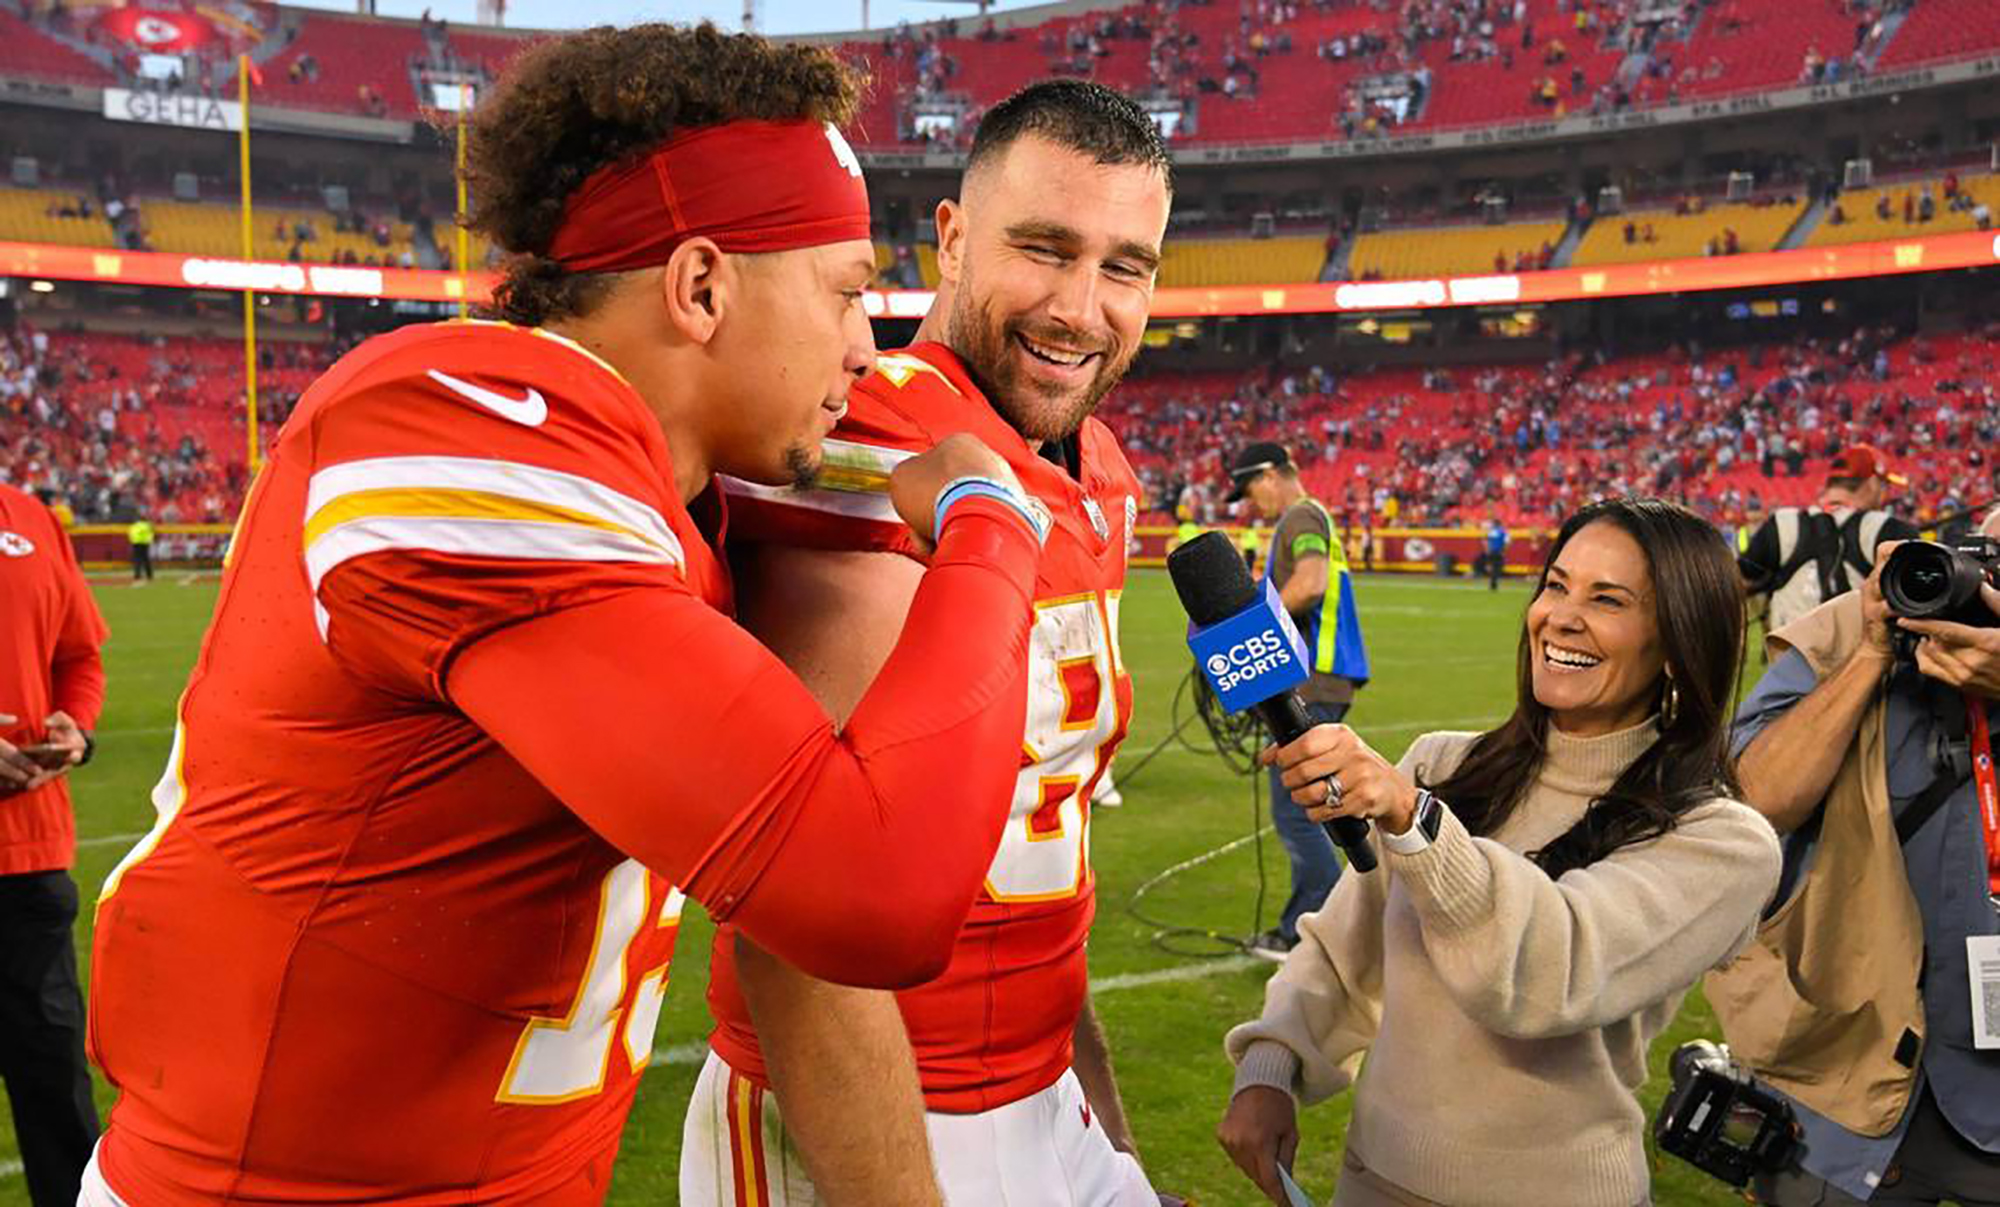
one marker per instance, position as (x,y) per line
(473,720)
(51,689)
(1048,260)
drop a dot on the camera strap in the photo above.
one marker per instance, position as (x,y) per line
(1986,788)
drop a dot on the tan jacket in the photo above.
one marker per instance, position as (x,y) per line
(1825,1001)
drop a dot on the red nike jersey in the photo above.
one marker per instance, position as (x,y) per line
(365,956)
(997,1026)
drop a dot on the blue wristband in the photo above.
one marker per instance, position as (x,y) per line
(1036,516)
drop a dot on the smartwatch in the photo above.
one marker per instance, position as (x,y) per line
(1423,831)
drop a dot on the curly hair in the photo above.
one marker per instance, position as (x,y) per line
(573,105)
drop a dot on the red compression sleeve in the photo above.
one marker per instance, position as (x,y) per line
(668,729)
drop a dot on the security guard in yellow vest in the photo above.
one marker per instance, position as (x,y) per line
(139,534)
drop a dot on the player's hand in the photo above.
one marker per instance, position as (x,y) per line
(1369,786)
(63,748)
(1260,1131)
(1960,655)
(18,771)
(1878,625)
(915,484)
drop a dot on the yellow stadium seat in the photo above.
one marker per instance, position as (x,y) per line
(1863,226)
(1679,236)
(25,217)
(205,229)
(1289,259)
(1448,251)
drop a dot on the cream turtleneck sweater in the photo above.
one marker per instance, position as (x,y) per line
(1505,1015)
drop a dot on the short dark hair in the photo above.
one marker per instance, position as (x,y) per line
(574,104)
(1084,117)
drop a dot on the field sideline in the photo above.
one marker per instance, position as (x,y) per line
(1443,659)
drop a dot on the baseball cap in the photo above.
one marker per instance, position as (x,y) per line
(1254,459)
(1864,461)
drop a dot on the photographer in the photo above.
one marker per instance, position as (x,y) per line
(1800,557)
(1854,1001)
(1537,918)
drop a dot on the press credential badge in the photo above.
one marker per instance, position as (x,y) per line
(1982,960)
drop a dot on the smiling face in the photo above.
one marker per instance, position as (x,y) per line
(1050,258)
(1594,635)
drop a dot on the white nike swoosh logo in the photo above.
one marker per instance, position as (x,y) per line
(530,411)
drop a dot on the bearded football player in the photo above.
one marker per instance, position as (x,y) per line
(1047,260)
(472,715)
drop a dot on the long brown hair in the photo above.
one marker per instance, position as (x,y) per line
(1699,608)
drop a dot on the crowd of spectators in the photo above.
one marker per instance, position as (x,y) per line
(1733,433)
(134,432)
(115,426)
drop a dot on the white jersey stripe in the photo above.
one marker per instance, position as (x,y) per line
(519,540)
(508,478)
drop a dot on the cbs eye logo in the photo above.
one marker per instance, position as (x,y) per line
(1218,664)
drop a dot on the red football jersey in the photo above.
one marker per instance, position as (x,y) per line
(365,956)
(997,1026)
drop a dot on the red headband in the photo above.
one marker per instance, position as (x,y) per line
(752,186)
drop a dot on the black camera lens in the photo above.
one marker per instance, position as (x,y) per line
(1926,582)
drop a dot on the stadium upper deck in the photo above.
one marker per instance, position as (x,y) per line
(1254,70)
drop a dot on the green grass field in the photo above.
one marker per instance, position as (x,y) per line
(1442,655)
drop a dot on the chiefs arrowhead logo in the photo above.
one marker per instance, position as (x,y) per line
(13,544)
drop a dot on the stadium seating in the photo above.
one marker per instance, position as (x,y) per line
(487,50)
(203,229)
(27,216)
(1526,442)
(1937,29)
(1674,236)
(1863,223)
(28,52)
(366,65)
(1743,47)
(1449,250)
(1288,259)
(1643,424)
(352,54)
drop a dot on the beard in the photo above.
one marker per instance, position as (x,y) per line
(1038,410)
(802,463)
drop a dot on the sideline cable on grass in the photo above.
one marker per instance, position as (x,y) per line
(1236,741)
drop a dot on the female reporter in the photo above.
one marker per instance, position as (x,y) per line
(1536,921)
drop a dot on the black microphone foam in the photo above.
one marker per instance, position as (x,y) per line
(1211,578)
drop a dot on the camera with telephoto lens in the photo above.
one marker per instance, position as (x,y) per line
(1940,580)
(1719,1120)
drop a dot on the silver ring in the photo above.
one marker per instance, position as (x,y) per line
(1333,792)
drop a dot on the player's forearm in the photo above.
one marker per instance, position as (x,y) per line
(829,1049)
(690,747)
(1092,1062)
(1787,768)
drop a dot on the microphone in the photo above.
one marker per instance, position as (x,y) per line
(1250,652)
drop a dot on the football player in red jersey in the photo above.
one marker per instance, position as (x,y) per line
(1047,263)
(472,714)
